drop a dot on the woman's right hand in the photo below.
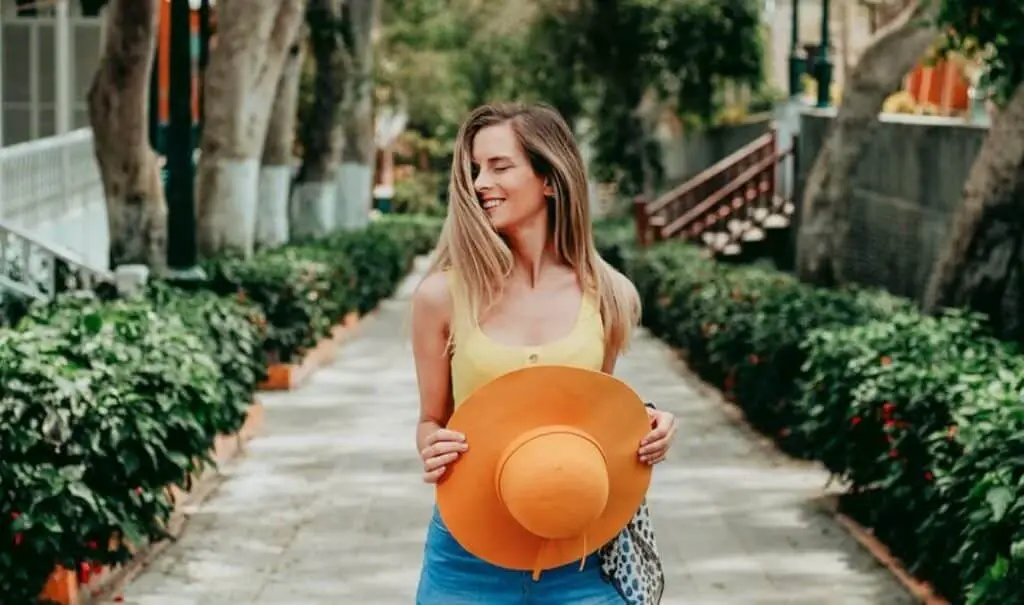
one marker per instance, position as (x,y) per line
(440,450)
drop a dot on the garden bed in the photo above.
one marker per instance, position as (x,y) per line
(288,376)
(88,583)
(920,418)
(116,411)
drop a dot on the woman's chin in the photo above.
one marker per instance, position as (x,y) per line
(497,219)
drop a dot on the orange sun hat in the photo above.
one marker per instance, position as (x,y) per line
(552,472)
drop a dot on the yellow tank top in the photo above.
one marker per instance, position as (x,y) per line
(477,359)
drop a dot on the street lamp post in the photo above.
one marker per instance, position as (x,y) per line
(179,145)
(823,63)
(797,61)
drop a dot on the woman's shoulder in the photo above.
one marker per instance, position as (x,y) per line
(434,290)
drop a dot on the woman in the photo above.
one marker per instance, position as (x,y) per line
(517,281)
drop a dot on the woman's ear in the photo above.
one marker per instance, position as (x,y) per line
(549,190)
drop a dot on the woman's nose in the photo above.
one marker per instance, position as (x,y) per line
(482,181)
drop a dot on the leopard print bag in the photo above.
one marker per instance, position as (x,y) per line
(632,564)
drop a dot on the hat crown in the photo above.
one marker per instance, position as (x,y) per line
(554,481)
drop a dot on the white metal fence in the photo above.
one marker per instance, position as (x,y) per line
(51,188)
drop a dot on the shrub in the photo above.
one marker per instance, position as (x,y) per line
(288,288)
(913,412)
(104,405)
(922,417)
(742,327)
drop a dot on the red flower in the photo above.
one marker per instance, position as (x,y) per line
(893,453)
(928,476)
(18,538)
(888,408)
(886,360)
(855,420)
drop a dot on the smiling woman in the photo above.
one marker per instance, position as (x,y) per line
(517,283)
(508,188)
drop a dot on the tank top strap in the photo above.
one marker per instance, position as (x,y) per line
(459,317)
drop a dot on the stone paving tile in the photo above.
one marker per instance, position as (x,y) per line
(328,508)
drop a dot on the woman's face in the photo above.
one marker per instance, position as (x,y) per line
(507,188)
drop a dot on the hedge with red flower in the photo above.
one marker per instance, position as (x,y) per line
(920,417)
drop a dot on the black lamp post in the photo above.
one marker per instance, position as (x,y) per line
(797,61)
(823,63)
(180,145)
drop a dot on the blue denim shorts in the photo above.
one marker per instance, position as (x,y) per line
(453,576)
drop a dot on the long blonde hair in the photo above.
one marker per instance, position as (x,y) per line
(482,259)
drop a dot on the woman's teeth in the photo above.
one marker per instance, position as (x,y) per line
(488,204)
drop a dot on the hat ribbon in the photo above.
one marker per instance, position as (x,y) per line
(544,546)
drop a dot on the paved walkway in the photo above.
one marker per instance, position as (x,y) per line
(328,508)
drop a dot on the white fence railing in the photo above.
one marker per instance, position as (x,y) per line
(51,189)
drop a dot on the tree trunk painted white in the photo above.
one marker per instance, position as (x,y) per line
(118,101)
(824,215)
(314,198)
(355,178)
(312,209)
(354,195)
(278,157)
(253,40)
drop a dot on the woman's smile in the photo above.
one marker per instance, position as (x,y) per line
(492,203)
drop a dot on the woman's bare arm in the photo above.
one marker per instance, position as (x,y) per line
(431,321)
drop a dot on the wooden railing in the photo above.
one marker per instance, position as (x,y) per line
(741,188)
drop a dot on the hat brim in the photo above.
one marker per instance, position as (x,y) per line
(503,409)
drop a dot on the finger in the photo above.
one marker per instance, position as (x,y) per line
(444,435)
(656,460)
(439,461)
(656,435)
(434,476)
(443,447)
(654,447)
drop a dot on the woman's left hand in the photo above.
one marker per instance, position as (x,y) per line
(663,430)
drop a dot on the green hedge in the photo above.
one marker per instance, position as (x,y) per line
(106,403)
(921,416)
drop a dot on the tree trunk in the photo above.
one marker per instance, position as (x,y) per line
(824,221)
(276,172)
(312,211)
(253,39)
(355,183)
(982,263)
(118,100)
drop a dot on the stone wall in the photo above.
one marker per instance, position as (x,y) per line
(904,194)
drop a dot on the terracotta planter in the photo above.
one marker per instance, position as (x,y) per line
(63,586)
(288,376)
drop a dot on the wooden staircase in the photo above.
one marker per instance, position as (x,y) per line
(735,209)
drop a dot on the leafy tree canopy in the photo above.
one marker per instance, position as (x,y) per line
(609,62)
(990,31)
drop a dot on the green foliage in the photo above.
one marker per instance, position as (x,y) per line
(922,417)
(990,31)
(104,404)
(919,415)
(419,194)
(287,287)
(598,61)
